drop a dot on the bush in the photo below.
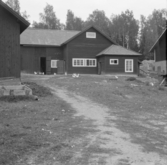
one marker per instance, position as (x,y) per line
(16,98)
(38,90)
(131,79)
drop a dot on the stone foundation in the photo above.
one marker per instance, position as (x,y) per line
(15,90)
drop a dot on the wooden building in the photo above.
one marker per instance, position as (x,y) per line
(160,53)
(85,52)
(11,26)
(117,59)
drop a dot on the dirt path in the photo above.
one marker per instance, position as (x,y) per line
(114,146)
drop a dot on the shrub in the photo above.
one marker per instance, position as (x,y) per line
(16,98)
(38,90)
(131,79)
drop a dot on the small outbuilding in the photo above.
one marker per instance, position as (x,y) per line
(11,26)
(85,52)
(119,60)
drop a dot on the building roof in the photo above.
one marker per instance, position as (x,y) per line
(85,31)
(117,50)
(163,34)
(46,37)
(23,23)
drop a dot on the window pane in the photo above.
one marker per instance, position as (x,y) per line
(91,62)
(75,62)
(84,62)
(114,61)
(90,35)
(81,62)
(87,62)
(129,66)
(94,62)
(53,63)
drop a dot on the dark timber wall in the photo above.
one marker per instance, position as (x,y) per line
(30,57)
(120,68)
(82,47)
(9,45)
(161,49)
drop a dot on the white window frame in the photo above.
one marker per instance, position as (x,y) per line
(82,62)
(78,62)
(90,34)
(54,63)
(132,66)
(111,63)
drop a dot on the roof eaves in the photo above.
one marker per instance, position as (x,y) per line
(104,52)
(14,13)
(157,40)
(120,54)
(104,35)
(38,45)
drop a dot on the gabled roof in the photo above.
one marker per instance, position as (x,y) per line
(117,50)
(23,23)
(163,33)
(85,31)
(46,37)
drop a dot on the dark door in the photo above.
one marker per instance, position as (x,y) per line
(43,65)
(60,67)
(99,67)
(48,65)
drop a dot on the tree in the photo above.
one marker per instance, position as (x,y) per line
(99,19)
(72,22)
(48,19)
(25,15)
(39,25)
(124,30)
(14,4)
(151,29)
(142,35)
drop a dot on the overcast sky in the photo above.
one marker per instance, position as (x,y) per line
(82,8)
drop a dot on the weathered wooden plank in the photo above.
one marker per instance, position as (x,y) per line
(9,45)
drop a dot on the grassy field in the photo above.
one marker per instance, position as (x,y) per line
(141,109)
(41,132)
(45,132)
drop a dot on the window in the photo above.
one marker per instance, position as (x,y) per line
(54,63)
(83,62)
(128,65)
(91,62)
(90,35)
(113,61)
(78,62)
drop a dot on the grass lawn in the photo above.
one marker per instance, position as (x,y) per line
(141,109)
(46,132)
(41,132)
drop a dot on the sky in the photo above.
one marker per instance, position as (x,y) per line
(82,8)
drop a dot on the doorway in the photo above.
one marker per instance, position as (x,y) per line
(99,67)
(43,65)
(60,67)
